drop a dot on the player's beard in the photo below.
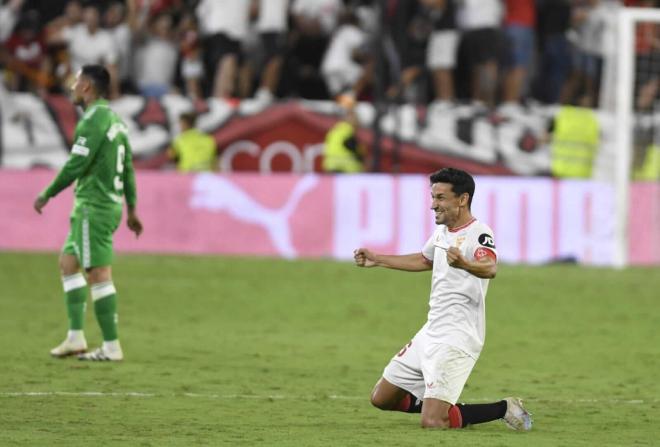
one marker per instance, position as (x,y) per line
(446,217)
(440,219)
(78,101)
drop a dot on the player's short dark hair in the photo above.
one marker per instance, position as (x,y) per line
(460,181)
(189,117)
(99,76)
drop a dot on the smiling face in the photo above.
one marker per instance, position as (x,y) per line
(449,208)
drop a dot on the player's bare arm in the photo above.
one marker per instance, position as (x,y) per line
(40,203)
(485,267)
(133,222)
(414,262)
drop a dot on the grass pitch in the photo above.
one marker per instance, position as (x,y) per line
(236,351)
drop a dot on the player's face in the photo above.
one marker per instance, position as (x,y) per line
(445,203)
(78,88)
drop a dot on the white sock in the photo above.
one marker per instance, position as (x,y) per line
(112,346)
(76,336)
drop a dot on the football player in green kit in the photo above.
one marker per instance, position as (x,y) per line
(100,164)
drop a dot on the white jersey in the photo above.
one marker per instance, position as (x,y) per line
(457,314)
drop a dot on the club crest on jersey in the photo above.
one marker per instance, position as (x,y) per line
(486,240)
(459,241)
(81,141)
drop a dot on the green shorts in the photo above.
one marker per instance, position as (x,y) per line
(90,236)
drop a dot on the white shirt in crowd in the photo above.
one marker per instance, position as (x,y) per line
(230,17)
(475,14)
(273,15)
(155,62)
(122,35)
(457,314)
(8,18)
(338,66)
(325,11)
(591,36)
(86,48)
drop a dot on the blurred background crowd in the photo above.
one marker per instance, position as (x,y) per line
(487,52)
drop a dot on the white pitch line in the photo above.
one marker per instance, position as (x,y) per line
(139,394)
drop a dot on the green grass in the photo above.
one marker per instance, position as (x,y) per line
(236,351)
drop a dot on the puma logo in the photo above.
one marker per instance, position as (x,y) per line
(216,193)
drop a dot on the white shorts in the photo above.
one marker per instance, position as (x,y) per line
(191,69)
(339,81)
(441,50)
(427,369)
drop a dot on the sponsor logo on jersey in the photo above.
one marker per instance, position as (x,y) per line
(486,240)
(80,150)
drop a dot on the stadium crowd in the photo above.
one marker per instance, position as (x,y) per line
(484,51)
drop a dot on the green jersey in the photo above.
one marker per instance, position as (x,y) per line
(100,162)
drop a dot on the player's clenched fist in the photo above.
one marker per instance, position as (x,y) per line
(364,258)
(455,258)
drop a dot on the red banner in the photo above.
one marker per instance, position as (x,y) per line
(286,137)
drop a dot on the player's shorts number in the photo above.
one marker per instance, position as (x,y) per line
(404,349)
(119,183)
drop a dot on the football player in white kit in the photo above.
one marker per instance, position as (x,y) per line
(429,373)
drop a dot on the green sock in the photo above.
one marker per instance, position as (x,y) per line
(105,308)
(75,294)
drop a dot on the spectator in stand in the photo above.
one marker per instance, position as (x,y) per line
(342,65)
(519,22)
(156,56)
(313,23)
(224,25)
(27,57)
(191,68)
(155,7)
(343,153)
(60,67)
(409,28)
(272,27)
(647,58)
(194,151)
(8,16)
(482,43)
(314,17)
(442,47)
(116,23)
(72,16)
(88,44)
(589,18)
(553,18)
(249,62)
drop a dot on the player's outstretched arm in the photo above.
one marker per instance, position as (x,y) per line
(415,262)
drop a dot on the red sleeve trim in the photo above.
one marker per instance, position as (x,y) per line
(482,252)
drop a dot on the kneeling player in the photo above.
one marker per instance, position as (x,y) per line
(428,375)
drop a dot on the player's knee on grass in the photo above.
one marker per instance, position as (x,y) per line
(435,414)
(380,403)
(383,400)
(437,421)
